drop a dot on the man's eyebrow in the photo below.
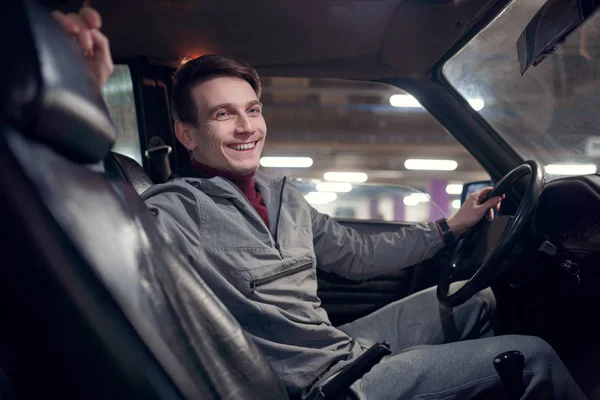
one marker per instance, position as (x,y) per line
(222,105)
(231,105)
(254,103)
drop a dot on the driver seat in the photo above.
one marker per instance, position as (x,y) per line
(91,294)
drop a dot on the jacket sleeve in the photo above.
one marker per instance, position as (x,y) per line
(353,255)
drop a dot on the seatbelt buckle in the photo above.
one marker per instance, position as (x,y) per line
(339,385)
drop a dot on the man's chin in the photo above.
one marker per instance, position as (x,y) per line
(244,169)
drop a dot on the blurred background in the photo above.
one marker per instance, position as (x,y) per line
(369,150)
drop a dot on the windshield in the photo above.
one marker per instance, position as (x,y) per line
(552,114)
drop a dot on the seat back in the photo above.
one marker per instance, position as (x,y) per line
(92,297)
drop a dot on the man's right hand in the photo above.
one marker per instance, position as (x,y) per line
(84,28)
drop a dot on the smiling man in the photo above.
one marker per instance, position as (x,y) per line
(219,115)
(256,243)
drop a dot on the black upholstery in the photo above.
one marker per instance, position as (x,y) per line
(92,297)
(39,96)
(61,314)
(124,167)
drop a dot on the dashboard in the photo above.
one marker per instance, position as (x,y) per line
(568,217)
(568,214)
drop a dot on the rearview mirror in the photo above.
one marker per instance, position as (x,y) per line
(471,187)
(549,28)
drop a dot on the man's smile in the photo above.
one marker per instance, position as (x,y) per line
(248,146)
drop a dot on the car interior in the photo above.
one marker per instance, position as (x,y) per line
(91,291)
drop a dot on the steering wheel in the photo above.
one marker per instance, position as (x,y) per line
(486,246)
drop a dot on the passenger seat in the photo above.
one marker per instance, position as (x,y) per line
(93,299)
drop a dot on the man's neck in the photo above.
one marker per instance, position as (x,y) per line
(210,172)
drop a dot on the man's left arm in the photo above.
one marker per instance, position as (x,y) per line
(357,256)
(353,255)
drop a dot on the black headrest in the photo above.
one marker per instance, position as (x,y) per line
(46,91)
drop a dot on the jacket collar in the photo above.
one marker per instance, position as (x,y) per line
(270,189)
(262,180)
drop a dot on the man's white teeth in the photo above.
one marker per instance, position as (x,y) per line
(245,146)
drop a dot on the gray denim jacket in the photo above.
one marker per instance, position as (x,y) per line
(266,276)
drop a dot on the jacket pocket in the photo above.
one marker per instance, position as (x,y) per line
(255,283)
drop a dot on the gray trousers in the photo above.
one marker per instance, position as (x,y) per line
(447,353)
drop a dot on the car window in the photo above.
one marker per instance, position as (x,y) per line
(402,164)
(550,113)
(119,98)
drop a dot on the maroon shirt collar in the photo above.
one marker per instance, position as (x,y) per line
(244,182)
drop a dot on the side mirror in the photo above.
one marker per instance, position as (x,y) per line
(471,187)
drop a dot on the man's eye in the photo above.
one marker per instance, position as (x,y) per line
(254,110)
(222,114)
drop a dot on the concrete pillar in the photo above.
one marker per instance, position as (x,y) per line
(437,191)
(399,208)
(374,208)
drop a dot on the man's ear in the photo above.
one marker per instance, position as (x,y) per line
(185,135)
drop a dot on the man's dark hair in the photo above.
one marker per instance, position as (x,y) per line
(195,71)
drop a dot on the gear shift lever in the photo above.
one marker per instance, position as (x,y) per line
(509,366)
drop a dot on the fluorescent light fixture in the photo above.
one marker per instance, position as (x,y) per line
(410,201)
(430,165)
(404,100)
(339,187)
(415,198)
(352,177)
(408,101)
(320,197)
(570,169)
(456,204)
(286,162)
(454,188)
(476,103)
(421,197)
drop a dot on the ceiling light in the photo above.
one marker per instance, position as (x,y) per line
(340,187)
(454,188)
(408,101)
(476,103)
(431,165)
(404,100)
(410,201)
(570,169)
(352,177)
(456,204)
(320,197)
(286,162)
(421,197)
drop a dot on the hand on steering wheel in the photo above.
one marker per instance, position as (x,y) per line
(501,235)
(476,205)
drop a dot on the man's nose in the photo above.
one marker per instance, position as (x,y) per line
(244,125)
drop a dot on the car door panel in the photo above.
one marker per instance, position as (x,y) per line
(346,300)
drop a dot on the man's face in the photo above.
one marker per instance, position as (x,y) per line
(231,129)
